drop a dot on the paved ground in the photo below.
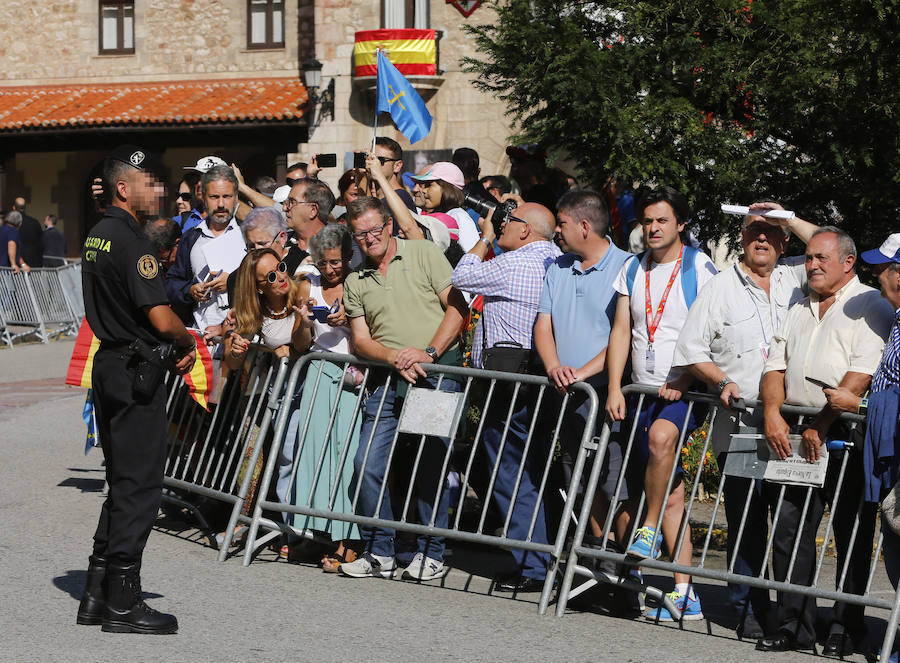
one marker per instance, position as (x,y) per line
(50,494)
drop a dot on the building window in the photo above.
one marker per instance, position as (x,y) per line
(116,26)
(265,23)
(398,14)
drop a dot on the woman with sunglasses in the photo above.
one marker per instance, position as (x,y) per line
(326,383)
(268,303)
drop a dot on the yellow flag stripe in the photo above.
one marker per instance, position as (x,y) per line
(400,51)
(89,363)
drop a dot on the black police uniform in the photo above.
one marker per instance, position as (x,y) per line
(120,275)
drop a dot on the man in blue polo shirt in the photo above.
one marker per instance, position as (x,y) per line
(575,316)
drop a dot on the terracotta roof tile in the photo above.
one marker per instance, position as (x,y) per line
(160,103)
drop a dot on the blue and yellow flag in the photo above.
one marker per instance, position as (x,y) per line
(398,97)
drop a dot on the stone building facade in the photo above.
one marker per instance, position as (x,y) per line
(177,42)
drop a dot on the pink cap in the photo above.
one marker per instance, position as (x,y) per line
(443,170)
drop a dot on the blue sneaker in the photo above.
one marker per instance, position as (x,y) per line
(690,609)
(640,547)
(894,657)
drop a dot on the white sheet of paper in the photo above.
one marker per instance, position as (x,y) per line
(743,210)
(225,252)
(795,470)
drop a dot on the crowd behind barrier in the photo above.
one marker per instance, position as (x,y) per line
(48,300)
(237,453)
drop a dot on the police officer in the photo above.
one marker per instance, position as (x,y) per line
(127,309)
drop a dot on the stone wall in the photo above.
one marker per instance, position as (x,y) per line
(462,115)
(174,39)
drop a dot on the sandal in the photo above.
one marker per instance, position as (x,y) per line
(332,563)
(237,539)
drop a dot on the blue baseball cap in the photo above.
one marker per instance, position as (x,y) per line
(889,251)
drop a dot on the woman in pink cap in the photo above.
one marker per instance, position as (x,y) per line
(440,187)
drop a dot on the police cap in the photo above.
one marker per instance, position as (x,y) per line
(139,158)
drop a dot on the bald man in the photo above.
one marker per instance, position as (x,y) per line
(511,284)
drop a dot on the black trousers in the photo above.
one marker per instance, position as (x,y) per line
(797,613)
(133,436)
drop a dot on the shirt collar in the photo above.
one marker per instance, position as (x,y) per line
(367,269)
(204,226)
(848,287)
(600,265)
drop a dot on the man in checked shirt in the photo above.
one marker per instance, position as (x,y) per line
(511,285)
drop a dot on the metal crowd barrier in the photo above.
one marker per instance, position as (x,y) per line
(580,555)
(218,454)
(329,459)
(44,297)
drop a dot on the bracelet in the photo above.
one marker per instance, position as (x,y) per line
(486,243)
(863,406)
(724,382)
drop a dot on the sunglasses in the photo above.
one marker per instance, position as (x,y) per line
(291,181)
(374,232)
(186,197)
(384,160)
(272,276)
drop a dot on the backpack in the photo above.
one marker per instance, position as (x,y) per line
(688,274)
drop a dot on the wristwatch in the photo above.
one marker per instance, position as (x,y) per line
(724,382)
(431,352)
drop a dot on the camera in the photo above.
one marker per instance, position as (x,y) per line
(359,160)
(326,160)
(502,211)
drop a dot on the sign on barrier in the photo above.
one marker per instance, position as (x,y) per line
(788,543)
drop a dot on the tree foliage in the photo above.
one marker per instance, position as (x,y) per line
(727,100)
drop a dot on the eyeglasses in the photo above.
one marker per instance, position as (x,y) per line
(186,196)
(255,246)
(290,202)
(272,276)
(384,160)
(374,232)
(332,263)
(291,181)
(515,218)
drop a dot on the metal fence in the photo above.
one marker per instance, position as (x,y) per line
(748,459)
(218,454)
(336,432)
(48,300)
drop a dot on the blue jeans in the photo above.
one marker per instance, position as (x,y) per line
(531,564)
(370,473)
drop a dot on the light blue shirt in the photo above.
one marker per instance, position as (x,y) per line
(582,304)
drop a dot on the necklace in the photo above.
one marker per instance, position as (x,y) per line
(277,315)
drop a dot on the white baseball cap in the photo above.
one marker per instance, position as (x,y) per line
(281,193)
(206,163)
(889,251)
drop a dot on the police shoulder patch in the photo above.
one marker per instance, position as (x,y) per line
(147,266)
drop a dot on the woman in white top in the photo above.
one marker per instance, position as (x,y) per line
(322,465)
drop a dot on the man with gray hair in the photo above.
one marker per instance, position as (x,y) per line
(209,252)
(12,254)
(833,338)
(265,228)
(308,207)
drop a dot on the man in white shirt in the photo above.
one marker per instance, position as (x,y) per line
(656,289)
(725,342)
(835,336)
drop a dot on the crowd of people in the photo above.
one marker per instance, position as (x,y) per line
(26,243)
(577,285)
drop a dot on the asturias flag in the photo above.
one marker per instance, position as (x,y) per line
(398,97)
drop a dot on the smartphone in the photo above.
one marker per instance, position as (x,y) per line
(326,160)
(359,159)
(819,383)
(320,313)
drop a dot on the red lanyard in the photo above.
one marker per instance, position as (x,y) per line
(652,326)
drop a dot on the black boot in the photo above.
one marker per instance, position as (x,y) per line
(93,599)
(126,611)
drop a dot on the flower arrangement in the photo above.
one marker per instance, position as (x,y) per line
(697,463)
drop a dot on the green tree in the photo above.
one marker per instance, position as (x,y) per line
(727,100)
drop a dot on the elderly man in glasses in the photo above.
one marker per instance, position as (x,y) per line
(404,312)
(308,207)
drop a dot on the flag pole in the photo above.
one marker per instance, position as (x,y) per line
(375,125)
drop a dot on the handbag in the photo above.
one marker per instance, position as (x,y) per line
(890,509)
(507,356)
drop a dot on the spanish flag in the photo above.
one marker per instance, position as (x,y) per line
(413,52)
(199,380)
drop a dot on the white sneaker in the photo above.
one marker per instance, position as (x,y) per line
(370,566)
(424,568)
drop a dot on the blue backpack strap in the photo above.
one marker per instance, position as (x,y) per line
(689,275)
(631,272)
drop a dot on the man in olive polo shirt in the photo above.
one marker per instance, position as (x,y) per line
(404,312)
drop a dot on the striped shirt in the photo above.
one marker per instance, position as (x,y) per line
(888,373)
(511,284)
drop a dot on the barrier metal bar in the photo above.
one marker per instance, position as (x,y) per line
(208,451)
(521,390)
(44,296)
(851,528)
(20,303)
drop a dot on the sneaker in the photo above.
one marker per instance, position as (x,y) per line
(424,568)
(690,609)
(369,565)
(640,547)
